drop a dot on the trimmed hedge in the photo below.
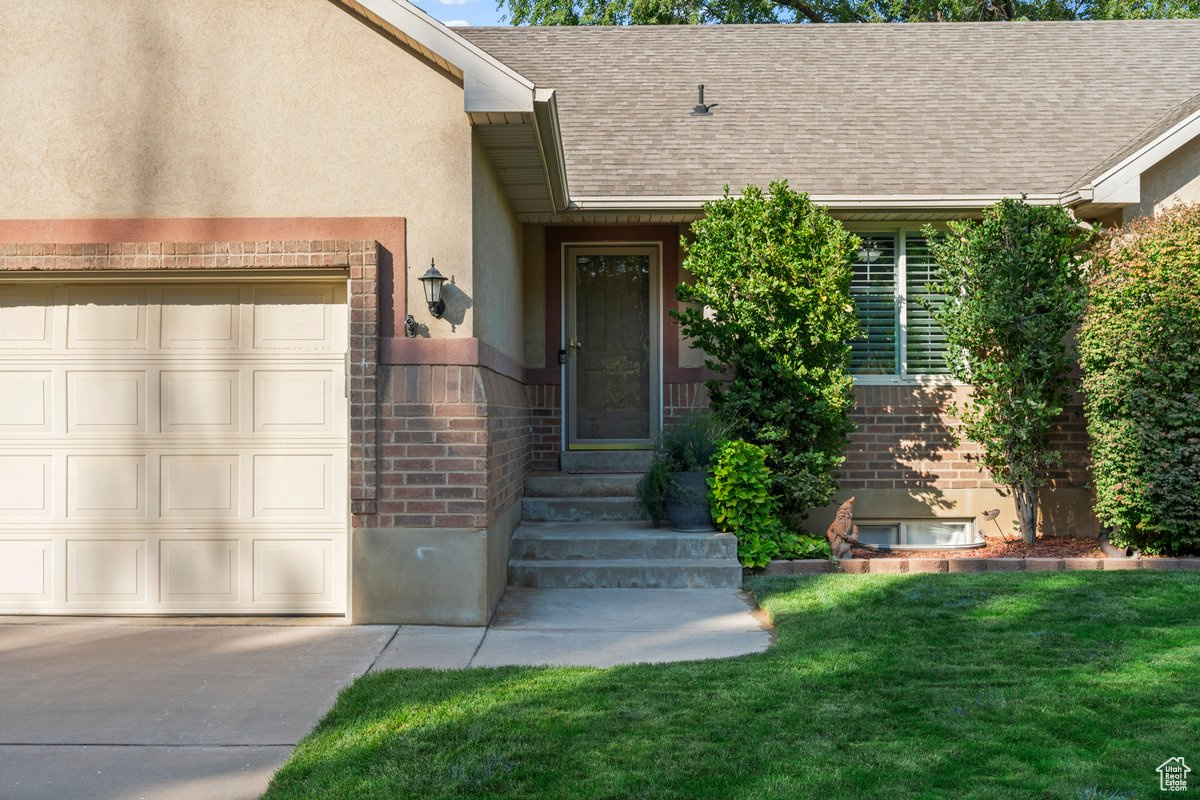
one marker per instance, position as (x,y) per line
(1140,354)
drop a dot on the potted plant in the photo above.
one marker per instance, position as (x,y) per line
(677,480)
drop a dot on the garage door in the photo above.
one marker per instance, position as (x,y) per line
(173,448)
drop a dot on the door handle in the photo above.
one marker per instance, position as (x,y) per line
(574,344)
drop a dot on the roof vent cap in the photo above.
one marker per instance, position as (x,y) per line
(702,109)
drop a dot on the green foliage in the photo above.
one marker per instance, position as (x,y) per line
(660,12)
(690,444)
(803,545)
(1140,353)
(742,503)
(1014,289)
(687,446)
(771,308)
(651,490)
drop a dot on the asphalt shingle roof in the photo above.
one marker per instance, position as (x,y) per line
(925,109)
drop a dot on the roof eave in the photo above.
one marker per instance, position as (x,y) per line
(549,136)
(488,85)
(972,202)
(1123,182)
(493,94)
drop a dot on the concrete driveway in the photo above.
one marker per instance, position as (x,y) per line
(208,709)
(120,710)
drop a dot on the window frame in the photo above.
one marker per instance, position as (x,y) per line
(976,539)
(901,230)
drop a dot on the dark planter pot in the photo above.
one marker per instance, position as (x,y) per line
(687,502)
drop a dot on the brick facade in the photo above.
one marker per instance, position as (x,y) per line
(509,450)
(904,439)
(453,445)
(545,403)
(181,255)
(430,445)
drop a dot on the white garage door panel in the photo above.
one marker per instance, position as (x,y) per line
(25,316)
(25,401)
(200,487)
(25,572)
(199,401)
(173,448)
(25,486)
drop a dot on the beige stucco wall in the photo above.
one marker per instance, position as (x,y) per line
(232,108)
(1175,179)
(498,247)
(689,355)
(1062,512)
(535,295)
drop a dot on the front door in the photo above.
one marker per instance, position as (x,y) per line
(612,346)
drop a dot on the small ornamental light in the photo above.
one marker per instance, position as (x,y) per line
(432,280)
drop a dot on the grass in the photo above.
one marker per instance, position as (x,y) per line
(1032,685)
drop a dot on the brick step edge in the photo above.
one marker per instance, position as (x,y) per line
(905,566)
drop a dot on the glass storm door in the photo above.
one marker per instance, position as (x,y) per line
(612,346)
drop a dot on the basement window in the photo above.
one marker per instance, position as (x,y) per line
(919,535)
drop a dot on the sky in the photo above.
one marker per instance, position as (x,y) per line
(463,12)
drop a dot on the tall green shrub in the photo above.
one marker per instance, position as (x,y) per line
(1140,353)
(1014,289)
(773,311)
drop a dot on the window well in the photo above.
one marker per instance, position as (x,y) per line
(919,535)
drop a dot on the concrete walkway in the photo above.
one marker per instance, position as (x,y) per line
(589,627)
(122,709)
(204,709)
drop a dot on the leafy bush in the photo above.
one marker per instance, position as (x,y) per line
(687,446)
(742,503)
(773,311)
(803,545)
(1140,354)
(1013,289)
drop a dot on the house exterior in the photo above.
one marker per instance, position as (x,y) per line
(215,216)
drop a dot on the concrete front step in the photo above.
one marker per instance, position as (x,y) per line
(626,574)
(566,484)
(609,542)
(606,461)
(578,509)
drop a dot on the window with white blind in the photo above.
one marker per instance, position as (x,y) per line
(892,272)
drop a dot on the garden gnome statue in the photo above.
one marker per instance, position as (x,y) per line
(843,533)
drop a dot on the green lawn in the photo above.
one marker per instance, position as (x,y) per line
(1046,685)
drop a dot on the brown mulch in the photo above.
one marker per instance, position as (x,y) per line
(1044,547)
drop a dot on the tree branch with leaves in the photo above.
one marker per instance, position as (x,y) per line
(1013,289)
(694,12)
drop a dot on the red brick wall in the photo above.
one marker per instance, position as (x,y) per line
(364,315)
(453,446)
(905,440)
(509,450)
(182,255)
(545,405)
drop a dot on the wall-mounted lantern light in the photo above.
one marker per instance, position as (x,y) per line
(432,280)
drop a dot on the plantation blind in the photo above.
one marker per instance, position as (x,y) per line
(873,288)
(924,340)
